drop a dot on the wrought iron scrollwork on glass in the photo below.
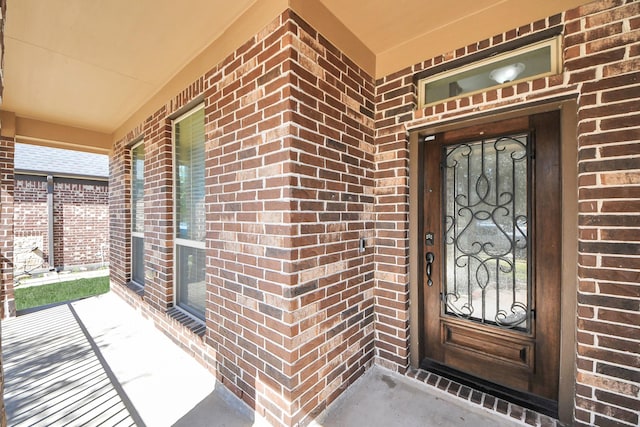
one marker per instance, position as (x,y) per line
(486,206)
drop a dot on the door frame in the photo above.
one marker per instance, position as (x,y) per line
(569,210)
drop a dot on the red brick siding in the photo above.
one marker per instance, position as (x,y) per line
(250,221)
(120,214)
(80,219)
(30,220)
(7,301)
(332,138)
(607,37)
(246,156)
(601,63)
(289,123)
(159,210)
(80,222)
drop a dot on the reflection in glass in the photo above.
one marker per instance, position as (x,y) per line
(137,214)
(532,62)
(191,279)
(189,142)
(190,214)
(486,247)
(137,188)
(137,259)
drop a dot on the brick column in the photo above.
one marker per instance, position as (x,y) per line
(119,217)
(289,198)
(7,145)
(395,102)
(7,302)
(599,51)
(249,214)
(158,208)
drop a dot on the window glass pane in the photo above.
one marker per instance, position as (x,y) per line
(137,260)
(189,140)
(526,63)
(137,214)
(190,218)
(137,189)
(191,279)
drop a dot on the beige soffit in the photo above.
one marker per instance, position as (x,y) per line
(404,32)
(91,64)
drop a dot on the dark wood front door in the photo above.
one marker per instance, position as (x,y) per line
(492,253)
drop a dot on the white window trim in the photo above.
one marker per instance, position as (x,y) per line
(137,234)
(190,243)
(183,116)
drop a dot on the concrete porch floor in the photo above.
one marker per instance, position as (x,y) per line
(98,362)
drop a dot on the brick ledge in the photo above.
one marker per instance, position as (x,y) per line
(484,400)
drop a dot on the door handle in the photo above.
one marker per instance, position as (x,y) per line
(429,257)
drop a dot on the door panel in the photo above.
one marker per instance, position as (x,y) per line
(492,289)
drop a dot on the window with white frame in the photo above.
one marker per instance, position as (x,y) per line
(188,133)
(137,214)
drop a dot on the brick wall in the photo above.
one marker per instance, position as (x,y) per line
(159,214)
(603,49)
(7,301)
(289,195)
(80,221)
(601,63)
(120,214)
(30,220)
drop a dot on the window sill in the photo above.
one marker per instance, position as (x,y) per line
(135,287)
(195,325)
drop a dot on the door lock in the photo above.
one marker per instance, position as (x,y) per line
(428,238)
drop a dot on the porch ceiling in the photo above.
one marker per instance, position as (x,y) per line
(92,64)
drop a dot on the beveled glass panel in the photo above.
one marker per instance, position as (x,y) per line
(486,203)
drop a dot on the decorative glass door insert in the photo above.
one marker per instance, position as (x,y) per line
(486,251)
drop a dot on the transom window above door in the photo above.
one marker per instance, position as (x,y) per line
(526,63)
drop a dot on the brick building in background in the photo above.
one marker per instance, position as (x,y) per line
(275,214)
(64,194)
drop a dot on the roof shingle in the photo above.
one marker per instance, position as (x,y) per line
(57,161)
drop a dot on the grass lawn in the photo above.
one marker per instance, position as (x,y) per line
(35,296)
